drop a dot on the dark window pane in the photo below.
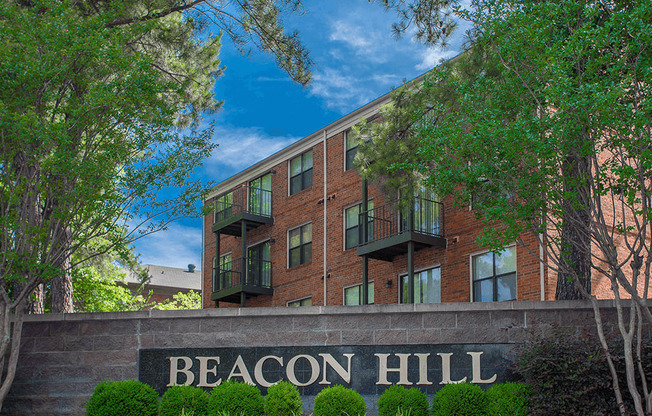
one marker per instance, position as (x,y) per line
(295,257)
(483,291)
(307,179)
(307,252)
(295,184)
(352,237)
(506,287)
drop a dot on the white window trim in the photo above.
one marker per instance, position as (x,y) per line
(419,270)
(349,287)
(287,243)
(287,304)
(478,253)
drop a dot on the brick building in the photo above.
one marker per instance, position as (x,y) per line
(285,232)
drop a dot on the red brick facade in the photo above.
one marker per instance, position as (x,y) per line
(344,267)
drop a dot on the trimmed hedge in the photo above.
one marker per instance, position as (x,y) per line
(462,399)
(508,399)
(283,399)
(235,398)
(411,402)
(339,401)
(122,398)
(190,400)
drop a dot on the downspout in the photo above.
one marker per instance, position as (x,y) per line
(325,224)
(542,268)
(203,219)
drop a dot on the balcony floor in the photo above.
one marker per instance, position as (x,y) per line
(388,248)
(233,224)
(232,294)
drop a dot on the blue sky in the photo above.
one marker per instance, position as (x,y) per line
(356,59)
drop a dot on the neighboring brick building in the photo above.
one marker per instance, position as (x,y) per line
(295,215)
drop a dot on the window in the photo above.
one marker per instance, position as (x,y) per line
(223,207)
(224,272)
(300,245)
(351,148)
(352,225)
(301,172)
(259,265)
(494,276)
(260,195)
(300,302)
(426,211)
(427,287)
(353,294)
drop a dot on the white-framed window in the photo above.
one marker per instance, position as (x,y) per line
(353,294)
(301,172)
(223,206)
(223,271)
(260,195)
(300,245)
(352,225)
(300,302)
(350,150)
(427,286)
(493,275)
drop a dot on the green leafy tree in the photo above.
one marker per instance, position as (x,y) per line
(545,123)
(92,99)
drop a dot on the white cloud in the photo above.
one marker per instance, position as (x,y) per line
(432,57)
(365,43)
(340,92)
(177,246)
(241,147)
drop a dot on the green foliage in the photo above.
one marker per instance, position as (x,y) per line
(95,291)
(188,400)
(396,399)
(122,398)
(574,383)
(339,401)
(283,399)
(508,399)
(462,399)
(235,398)
(181,301)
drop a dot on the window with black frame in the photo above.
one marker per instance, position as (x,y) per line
(300,302)
(427,286)
(301,172)
(300,246)
(259,265)
(225,278)
(352,225)
(494,275)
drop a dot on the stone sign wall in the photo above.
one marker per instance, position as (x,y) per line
(63,357)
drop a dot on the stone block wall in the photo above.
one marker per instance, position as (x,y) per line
(63,357)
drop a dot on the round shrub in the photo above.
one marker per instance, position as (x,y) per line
(189,399)
(508,399)
(407,401)
(339,401)
(236,399)
(283,400)
(463,399)
(122,398)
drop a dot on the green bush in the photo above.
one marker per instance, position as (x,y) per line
(508,399)
(186,399)
(122,398)
(283,400)
(463,399)
(339,401)
(236,399)
(397,399)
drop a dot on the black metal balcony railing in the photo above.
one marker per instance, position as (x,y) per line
(229,274)
(246,199)
(423,216)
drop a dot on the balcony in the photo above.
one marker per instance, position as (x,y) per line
(229,284)
(390,231)
(247,204)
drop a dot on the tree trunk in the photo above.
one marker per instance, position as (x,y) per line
(575,229)
(61,285)
(36,303)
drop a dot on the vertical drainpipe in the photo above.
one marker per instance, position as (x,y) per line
(325,223)
(542,268)
(201,289)
(363,239)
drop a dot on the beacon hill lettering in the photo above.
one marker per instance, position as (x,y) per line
(368,369)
